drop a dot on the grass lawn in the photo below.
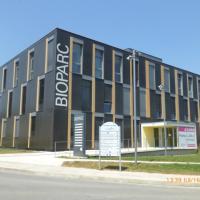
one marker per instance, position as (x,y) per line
(152,168)
(173,158)
(13,150)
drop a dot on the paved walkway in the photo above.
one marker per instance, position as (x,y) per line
(47,164)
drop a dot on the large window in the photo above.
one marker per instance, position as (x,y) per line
(17,127)
(152,84)
(118,68)
(142,103)
(4,78)
(77,58)
(190,86)
(126,101)
(16,73)
(167,80)
(99,63)
(23,100)
(107,98)
(86,95)
(31,65)
(41,94)
(180,84)
(10,97)
(50,53)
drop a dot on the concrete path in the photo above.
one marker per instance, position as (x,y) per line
(47,164)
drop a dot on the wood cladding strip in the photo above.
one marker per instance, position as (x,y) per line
(93,95)
(113,85)
(163,93)
(148,109)
(70,96)
(131,101)
(176,95)
(188,100)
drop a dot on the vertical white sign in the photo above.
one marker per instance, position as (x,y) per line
(109,139)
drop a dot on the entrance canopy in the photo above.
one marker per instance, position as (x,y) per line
(178,134)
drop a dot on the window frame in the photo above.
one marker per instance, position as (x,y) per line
(100,48)
(180,73)
(144,91)
(3,88)
(119,54)
(154,78)
(9,104)
(80,42)
(14,130)
(30,71)
(48,40)
(190,95)
(16,73)
(38,92)
(21,98)
(169,81)
(3,133)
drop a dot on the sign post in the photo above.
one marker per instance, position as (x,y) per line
(109,141)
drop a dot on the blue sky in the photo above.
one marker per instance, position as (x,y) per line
(169,29)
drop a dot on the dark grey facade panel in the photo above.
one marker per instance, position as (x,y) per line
(126,69)
(108,63)
(119,99)
(76,92)
(142,71)
(158,74)
(87,57)
(172,81)
(99,99)
(185,89)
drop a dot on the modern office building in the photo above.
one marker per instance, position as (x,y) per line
(64,74)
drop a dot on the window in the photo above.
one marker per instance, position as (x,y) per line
(33,124)
(41,94)
(4,127)
(190,87)
(4,78)
(16,73)
(77,58)
(17,127)
(31,65)
(107,98)
(50,53)
(99,62)
(180,84)
(118,68)
(152,76)
(142,103)
(23,100)
(126,101)
(86,95)
(167,80)
(10,97)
